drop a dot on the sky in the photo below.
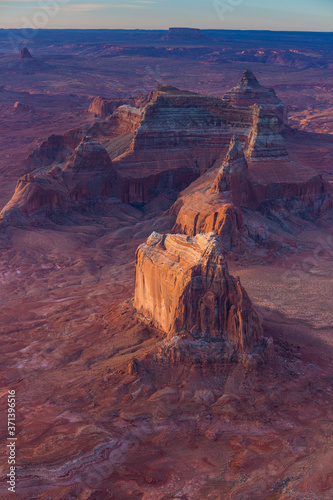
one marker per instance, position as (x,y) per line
(281,15)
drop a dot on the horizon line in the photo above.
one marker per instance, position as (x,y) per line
(167,29)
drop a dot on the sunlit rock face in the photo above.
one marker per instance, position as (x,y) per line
(183,285)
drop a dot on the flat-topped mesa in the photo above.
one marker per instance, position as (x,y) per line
(183,285)
(183,34)
(265,141)
(185,31)
(233,176)
(249,92)
(181,135)
(25,54)
(178,119)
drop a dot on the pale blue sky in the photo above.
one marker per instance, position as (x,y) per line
(301,15)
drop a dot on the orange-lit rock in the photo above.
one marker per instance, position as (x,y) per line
(183,285)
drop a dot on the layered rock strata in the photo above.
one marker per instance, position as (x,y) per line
(265,141)
(181,135)
(216,201)
(36,192)
(183,286)
(162,148)
(249,92)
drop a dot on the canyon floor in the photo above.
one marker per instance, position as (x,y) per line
(88,426)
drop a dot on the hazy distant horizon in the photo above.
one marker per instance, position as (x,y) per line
(241,15)
(167,29)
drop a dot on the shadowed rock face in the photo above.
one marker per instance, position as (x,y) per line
(265,140)
(234,175)
(35,193)
(249,92)
(249,80)
(88,175)
(183,285)
(25,54)
(162,148)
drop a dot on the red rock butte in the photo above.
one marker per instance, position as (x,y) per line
(183,286)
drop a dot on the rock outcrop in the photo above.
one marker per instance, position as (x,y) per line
(126,119)
(88,177)
(56,148)
(20,107)
(265,140)
(249,92)
(183,287)
(234,175)
(176,137)
(106,107)
(208,213)
(25,54)
(255,181)
(36,194)
(181,135)
(26,64)
(162,148)
(89,173)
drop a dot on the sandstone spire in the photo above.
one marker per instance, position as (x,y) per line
(249,80)
(25,54)
(249,92)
